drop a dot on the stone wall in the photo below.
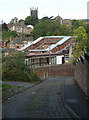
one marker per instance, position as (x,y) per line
(55,70)
(82,75)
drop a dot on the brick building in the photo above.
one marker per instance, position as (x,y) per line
(18,43)
(20,28)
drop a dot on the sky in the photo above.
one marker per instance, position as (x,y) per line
(67,9)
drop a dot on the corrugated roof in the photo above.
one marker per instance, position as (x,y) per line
(35,50)
(29,44)
(59,42)
(64,38)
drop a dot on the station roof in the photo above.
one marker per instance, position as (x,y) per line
(63,39)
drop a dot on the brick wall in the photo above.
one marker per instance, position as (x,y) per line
(82,76)
(55,70)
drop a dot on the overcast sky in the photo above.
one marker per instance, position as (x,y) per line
(67,9)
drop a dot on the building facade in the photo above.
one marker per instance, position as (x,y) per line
(20,28)
(34,12)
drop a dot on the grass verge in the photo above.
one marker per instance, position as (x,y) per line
(5,86)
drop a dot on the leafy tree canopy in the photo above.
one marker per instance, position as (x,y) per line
(45,18)
(81,43)
(4,27)
(77,23)
(21,20)
(30,20)
(6,35)
(47,27)
(14,69)
(14,20)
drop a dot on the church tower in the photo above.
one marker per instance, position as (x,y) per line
(34,12)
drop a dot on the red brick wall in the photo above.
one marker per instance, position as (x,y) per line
(82,76)
(55,70)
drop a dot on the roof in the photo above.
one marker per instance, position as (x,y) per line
(37,50)
(20,40)
(29,44)
(64,38)
(59,43)
(30,26)
(29,55)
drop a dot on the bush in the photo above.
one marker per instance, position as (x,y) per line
(14,69)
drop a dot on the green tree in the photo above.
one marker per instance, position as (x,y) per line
(78,23)
(6,35)
(30,20)
(65,30)
(81,43)
(14,69)
(45,18)
(87,30)
(14,20)
(48,27)
(21,20)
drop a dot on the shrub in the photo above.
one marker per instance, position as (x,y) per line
(14,69)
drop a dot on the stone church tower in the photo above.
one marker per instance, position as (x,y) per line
(34,12)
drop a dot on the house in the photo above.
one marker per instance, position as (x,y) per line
(7,51)
(67,22)
(57,18)
(41,59)
(18,43)
(20,28)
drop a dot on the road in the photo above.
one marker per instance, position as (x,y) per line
(41,101)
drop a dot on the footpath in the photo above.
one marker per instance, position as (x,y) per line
(75,100)
(73,97)
(20,87)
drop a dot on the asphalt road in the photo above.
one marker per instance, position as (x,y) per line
(41,101)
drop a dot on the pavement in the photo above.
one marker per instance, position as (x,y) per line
(22,86)
(41,101)
(73,97)
(75,100)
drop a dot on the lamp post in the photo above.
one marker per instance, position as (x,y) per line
(49,61)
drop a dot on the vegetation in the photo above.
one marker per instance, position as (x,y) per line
(78,23)
(21,20)
(47,27)
(7,35)
(14,20)
(81,43)
(30,20)
(14,69)
(5,86)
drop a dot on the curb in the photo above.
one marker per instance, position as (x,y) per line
(23,90)
(74,115)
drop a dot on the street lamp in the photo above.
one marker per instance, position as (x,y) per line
(49,61)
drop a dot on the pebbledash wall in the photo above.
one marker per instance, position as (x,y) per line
(82,75)
(55,70)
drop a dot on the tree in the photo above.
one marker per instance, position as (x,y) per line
(14,20)
(30,20)
(14,69)
(48,27)
(4,27)
(87,30)
(6,35)
(21,20)
(78,23)
(81,43)
(65,30)
(45,18)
